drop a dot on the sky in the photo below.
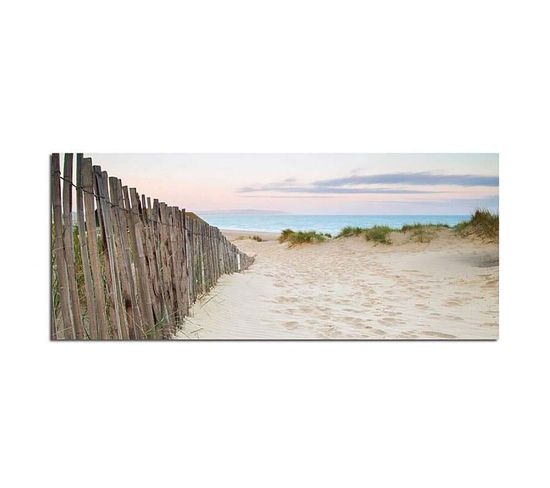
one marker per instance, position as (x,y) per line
(414,184)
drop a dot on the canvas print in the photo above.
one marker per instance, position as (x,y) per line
(274,246)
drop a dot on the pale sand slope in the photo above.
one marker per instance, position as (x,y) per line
(351,289)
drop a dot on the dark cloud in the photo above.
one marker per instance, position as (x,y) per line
(421,178)
(356,184)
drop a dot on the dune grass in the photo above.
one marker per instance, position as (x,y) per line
(423,233)
(482,224)
(254,238)
(285,235)
(379,234)
(416,226)
(301,237)
(350,231)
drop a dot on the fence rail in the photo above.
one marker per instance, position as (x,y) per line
(127,267)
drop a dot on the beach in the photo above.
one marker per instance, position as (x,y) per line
(349,288)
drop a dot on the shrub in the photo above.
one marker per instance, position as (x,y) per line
(257,239)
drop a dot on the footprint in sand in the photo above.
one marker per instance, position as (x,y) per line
(393,313)
(361,326)
(439,335)
(356,322)
(456,318)
(421,295)
(378,332)
(291,325)
(328,331)
(408,335)
(285,300)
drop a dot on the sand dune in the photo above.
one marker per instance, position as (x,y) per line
(351,289)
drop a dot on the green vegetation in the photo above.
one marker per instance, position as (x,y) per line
(350,231)
(257,239)
(285,234)
(301,237)
(482,224)
(423,232)
(413,227)
(379,233)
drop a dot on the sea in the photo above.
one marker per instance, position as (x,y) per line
(331,224)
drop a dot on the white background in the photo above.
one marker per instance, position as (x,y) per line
(293,76)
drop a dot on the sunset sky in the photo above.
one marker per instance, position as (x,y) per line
(313,183)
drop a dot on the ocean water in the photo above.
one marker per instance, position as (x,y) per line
(321,223)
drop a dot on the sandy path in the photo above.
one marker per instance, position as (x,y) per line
(351,289)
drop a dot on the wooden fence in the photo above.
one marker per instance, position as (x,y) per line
(125,266)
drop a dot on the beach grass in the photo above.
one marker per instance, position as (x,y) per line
(379,234)
(254,238)
(416,226)
(482,224)
(301,237)
(285,235)
(423,233)
(350,231)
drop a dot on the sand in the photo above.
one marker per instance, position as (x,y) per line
(352,289)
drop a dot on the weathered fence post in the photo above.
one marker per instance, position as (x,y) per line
(91,234)
(137,266)
(59,252)
(68,242)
